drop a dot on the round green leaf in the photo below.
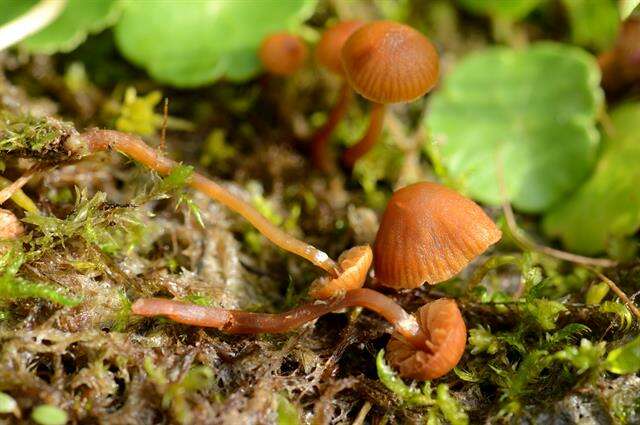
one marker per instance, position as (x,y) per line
(625,359)
(46,414)
(607,206)
(511,10)
(594,23)
(77,20)
(530,112)
(192,44)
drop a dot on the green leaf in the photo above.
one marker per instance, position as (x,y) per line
(529,113)
(7,403)
(391,380)
(47,414)
(195,45)
(584,357)
(449,406)
(607,206)
(625,359)
(594,23)
(78,19)
(288,414)
(512,10)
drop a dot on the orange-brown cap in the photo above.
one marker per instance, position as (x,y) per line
(428,233)
(330,45)
(355,264)
(282,53)
(388,62)
(10,226)
(447,337)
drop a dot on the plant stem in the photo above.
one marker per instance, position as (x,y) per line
(134,147)
(370,138)
(320,140)
(38,17)
(242,322)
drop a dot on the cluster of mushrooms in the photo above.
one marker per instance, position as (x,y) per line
(428,232)
(383,61)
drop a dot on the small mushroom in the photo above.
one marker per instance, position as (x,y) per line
(387,62)
(10,226)
(355,264)
(446,332)
(282,53)
(328,55)
(429,233)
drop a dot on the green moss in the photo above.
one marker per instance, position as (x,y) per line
(34,137)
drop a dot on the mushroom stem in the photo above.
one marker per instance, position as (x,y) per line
(320,140)
(134,147)
(242,322)
(370,138)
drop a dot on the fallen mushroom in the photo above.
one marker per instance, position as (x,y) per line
(243,322)
(132,146)
(387,62)
(282,53)
(328,55)
(429,233)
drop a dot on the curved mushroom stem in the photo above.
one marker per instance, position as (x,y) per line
(370,138)
(320,140)
(134,147)
(242,322)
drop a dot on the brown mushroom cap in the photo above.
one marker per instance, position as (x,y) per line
(388,62)
(355,264)
(331,43)
(428,233)
(10,226)
(446,332)
(282,53)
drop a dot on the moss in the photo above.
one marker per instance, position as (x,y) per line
(23,135)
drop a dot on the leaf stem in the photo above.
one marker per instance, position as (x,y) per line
(37,18)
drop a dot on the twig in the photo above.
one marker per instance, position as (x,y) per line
(38,17)
(525,241)
(165,119)
(19,197)
(14,187)
(362,414)
(619,292)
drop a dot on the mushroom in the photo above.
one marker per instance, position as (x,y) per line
(243,322)
(446,332)
(132,146)
(621,65)
(328,55)
(355,264)
(282,53)
(387,62)
(429,233)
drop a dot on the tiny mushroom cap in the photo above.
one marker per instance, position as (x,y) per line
(355,264)
(331,43)
(10,226)
(442,322)
(388,62)
(429,233)
(282,53)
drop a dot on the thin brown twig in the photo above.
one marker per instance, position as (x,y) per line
(165,119)
(619,292)
(525,241)
(14,187)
